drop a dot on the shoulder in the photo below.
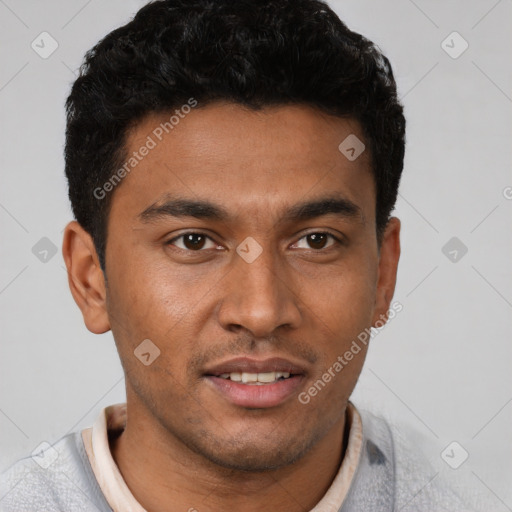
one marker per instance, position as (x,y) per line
(57,477)
(418,476)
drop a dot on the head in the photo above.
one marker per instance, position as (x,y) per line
(219,214)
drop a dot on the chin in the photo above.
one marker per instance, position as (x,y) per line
(254,459)
(252,454)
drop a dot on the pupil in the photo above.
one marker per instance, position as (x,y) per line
(314,239)
(191,241)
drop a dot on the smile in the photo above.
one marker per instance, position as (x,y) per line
(255,378)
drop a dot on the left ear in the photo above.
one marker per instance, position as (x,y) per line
(388,264)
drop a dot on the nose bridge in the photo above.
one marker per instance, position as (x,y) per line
(258,299)
(260,277)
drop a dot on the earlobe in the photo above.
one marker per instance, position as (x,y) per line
(85,277)
(388,265)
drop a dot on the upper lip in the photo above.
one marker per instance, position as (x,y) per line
(248,365)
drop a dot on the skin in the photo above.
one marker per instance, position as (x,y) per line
(306,300)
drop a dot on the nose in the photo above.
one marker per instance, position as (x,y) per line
(259,296)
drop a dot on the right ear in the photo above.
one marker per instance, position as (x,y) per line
(85,277)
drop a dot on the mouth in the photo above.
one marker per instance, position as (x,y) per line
(256,379)
(256,384)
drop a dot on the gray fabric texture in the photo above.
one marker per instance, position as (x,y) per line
(390,477)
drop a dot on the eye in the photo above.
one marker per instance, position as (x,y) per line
(318,240)
(192,241)
(195,242)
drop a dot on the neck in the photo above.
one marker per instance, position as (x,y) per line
(159,470)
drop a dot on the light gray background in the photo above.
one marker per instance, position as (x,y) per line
(441,366)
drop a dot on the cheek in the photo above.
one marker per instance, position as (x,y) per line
(160,303)
(148,305)
(343,305)
(150,292)
(344,297)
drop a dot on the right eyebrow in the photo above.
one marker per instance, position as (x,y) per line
(182,207)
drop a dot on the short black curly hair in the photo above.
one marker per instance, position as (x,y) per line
(253,52)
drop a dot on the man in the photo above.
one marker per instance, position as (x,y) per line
(232,169)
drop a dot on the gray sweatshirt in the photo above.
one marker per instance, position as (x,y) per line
(390,476)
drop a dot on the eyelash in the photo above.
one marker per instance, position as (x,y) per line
(335,238)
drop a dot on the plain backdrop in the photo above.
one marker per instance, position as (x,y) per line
(442,366)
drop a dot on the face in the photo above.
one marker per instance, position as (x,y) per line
(243,246)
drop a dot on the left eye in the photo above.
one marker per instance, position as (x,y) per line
(318,240)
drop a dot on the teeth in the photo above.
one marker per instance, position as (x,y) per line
(266,377)
(255,378)
(249,377)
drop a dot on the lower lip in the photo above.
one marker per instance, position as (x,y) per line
(254,395)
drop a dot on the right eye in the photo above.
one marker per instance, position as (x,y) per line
(191,241)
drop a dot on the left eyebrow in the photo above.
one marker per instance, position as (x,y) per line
(202,209)
(338,206)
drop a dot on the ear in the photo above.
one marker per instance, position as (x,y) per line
(85,277)
(388,264)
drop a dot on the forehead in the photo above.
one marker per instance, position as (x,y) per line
(251,162)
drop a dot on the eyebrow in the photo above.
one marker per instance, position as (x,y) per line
(201,209)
